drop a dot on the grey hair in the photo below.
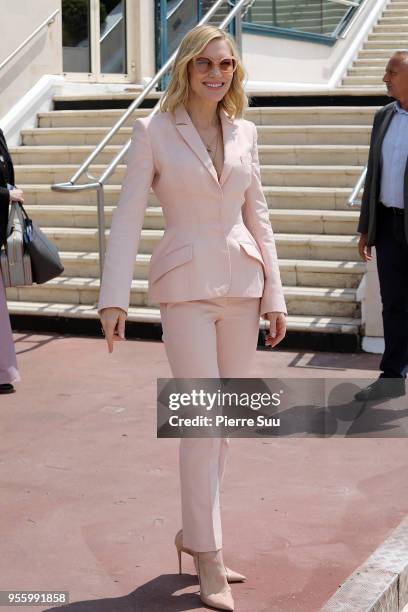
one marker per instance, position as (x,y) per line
(403,52)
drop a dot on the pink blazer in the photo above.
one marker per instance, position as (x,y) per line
(218,239)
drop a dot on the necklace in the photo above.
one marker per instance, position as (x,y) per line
(210,146)
(210,151)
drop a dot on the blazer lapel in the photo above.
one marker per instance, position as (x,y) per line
(229,129)
(381,134)
(192,138)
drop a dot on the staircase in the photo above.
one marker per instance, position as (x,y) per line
(310,158)
(389,34)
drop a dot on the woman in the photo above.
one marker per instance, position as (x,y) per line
(214,272)
(8,363)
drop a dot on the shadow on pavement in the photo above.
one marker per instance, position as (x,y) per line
(35,341)
(157,595)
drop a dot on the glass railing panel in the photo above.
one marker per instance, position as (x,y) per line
(181,17)
(323,17)
(113,36)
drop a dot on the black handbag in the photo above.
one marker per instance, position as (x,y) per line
(45,259)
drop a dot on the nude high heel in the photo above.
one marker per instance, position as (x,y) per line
(222,600)
(178,540)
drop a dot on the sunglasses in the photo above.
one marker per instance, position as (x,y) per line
(204,65)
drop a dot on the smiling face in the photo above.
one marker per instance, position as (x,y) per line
(210,87)
(396,77)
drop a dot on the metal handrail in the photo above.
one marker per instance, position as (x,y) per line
(353,200)
(98,184)
(174,9)
(345,2)
(46,22)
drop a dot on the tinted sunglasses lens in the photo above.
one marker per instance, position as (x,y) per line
(228,65)
(203,65)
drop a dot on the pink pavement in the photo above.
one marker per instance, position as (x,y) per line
(90,497)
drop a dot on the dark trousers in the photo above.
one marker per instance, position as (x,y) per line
(392,265)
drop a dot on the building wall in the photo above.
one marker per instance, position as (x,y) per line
(43,55)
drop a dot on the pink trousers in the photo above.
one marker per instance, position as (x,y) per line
(214,338)
(8,362)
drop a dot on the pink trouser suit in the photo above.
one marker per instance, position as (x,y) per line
(214,273)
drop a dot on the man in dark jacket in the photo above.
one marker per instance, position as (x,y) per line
(384,223)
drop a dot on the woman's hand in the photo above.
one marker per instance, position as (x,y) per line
(16,195)
(277,328)
(113,325)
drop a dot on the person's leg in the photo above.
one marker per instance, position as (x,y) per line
(237,339)
(8,362)
(392,264)
(189,336)
(237,336)
(207,339)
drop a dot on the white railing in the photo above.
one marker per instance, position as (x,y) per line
(47,22)
(353,199)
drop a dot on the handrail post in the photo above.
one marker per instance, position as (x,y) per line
(101,225)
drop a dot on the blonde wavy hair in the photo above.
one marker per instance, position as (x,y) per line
(235,100)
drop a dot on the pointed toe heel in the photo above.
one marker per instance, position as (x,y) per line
(222,600)
(232,576)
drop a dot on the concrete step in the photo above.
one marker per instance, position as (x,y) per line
(79,290)
(394,19)
(268,154)
(279,134)
(291,175)
(289,246)
(326,198)
(399,29)
(373,71)
(363,81)
(284,220)
(298,323)
(130,93)
(302,115)
(394,13)
(371,62)
(296,272)
(385,43)
(375,54)
(391,36)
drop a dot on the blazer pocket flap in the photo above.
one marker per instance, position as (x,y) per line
(171,260)
(251,250)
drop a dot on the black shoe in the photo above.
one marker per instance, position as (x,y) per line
(7,388)
(382,388)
